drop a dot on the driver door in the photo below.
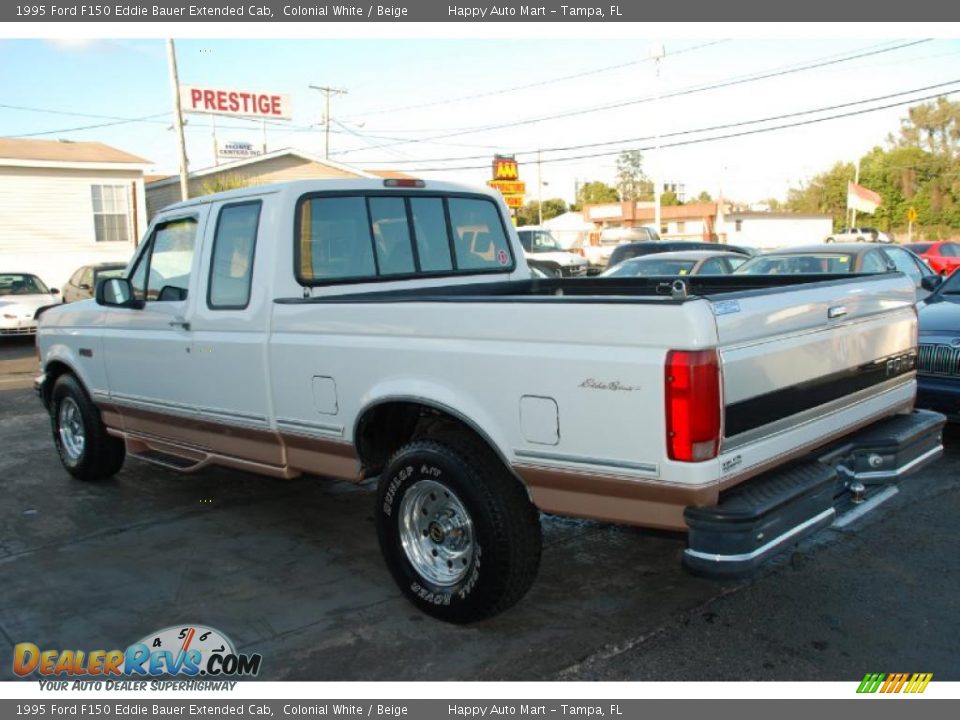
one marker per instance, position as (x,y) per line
(147,351)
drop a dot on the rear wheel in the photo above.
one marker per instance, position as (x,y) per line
(829,240)
(458,532)
(86,450)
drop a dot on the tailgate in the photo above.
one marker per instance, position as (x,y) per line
(805,354)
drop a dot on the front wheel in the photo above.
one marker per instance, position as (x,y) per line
(457,531)
(86,450)
(829,240)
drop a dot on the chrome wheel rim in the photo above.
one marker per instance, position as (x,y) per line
(70,427)
(436,533)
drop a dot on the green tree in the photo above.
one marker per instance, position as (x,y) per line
(704,197)
(632,183)
(595,193)
(669,198)
(529,215)
(825,193)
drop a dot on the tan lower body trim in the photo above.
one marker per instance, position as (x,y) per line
(204,443)
(613,499)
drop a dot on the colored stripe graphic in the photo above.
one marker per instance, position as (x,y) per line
(894,683)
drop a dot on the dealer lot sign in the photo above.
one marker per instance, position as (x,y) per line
(246,103)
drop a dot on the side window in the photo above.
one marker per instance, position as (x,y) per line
(873,263)
(391,236)
(75,278)
(478,238)
(163,269)
(86,278)
(430,228)
(231,261)
(335,241)
(948,250)
(905,264)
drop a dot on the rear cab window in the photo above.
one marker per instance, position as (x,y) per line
(366,237)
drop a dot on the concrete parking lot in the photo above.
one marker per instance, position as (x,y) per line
(291,569)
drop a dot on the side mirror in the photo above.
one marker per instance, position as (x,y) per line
(84,286)
(931,282)
(54,291)
(117,292)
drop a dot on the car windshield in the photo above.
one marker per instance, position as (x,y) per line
(22,285)
(951,286)
(919,248)
(538,241)
(797,264)
(651,266)
(110,273)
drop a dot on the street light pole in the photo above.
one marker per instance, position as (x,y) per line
(657,55)
(327,91)
(178,118)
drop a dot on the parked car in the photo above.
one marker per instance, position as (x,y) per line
(859,234)
(21,296)
(938,365)
(83,282)
(432,361)
(636,249)
(541,249)
(598,256)
(943,257)
(845,258)
(688,262)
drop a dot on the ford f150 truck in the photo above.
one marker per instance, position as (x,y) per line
(389,329)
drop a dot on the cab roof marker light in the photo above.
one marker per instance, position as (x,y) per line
(404,183)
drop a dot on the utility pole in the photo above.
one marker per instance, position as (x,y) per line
(853,210)
(178,118)
(327,91)
(657,54)
(539,192)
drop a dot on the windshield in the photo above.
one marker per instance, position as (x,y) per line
(22,285)
(797,264)
(951,286)
(538,241)
(651,266)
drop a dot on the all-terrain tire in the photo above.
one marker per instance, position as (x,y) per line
(86,450)
(457,531)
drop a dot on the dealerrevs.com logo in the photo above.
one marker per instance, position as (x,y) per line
(181,650)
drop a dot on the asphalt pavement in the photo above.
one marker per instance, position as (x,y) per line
(291,570)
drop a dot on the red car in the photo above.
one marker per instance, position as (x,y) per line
(942,257)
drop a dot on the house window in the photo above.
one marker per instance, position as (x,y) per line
(681,227)
(738,225)
(111,213)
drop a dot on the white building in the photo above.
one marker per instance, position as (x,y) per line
(65,204)
(771,230)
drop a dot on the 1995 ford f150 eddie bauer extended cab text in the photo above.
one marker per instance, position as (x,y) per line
(362,328)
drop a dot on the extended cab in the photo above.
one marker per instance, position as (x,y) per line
(390,329)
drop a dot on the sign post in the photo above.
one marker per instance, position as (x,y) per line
(911,219)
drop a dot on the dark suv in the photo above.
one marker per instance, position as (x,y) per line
(636,249)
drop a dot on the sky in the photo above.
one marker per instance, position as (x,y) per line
(416,104)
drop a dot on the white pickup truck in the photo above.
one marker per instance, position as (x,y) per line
(359,329)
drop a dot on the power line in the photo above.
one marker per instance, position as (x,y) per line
(696,141)
(686,132)
(527,86)
(124,121)
(677,93)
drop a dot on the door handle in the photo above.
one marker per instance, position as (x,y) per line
(836,311)
(180,323)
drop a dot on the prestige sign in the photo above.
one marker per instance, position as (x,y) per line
(246,103)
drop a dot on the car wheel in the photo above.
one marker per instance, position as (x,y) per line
(829,240)
(86,450)
(457,530)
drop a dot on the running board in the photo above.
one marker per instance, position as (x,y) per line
(771,513)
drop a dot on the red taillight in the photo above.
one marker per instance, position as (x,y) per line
(692,391)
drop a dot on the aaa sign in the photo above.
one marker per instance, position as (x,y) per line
(245,103)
